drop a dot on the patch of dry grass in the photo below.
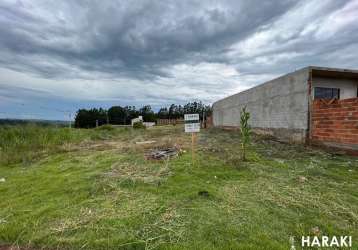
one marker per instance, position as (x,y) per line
(168,228)
(125,172)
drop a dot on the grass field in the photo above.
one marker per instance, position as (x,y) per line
(94,189)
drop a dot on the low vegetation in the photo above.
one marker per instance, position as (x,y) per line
(138,125)
(26,143)
(95,189)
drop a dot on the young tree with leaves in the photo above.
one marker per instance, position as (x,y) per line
(245,131)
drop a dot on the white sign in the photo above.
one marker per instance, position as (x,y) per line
(192,123)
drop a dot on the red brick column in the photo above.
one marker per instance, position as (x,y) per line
(335,121)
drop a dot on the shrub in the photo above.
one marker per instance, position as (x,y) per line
(106,127)
(138,125)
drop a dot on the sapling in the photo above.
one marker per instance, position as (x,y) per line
(245,131)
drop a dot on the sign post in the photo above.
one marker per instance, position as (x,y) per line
(192,125)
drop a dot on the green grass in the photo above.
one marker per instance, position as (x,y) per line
(25,143)
(99,192)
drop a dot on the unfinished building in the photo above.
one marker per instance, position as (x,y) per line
(311,105)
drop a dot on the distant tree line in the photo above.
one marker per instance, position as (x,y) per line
(88,118)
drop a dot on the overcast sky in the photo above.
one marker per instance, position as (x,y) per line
(63,55)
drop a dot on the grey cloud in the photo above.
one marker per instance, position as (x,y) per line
(289,37)
(14,91)
(134,39)
(158,52)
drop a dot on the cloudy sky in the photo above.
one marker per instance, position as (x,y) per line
(62,55)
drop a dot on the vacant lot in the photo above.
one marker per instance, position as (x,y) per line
(95,189)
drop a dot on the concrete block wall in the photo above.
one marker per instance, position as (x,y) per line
(335,123)
(278,107)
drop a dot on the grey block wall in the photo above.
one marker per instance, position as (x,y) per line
(278,107)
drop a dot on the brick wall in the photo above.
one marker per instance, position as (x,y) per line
(335,123)
(170,121)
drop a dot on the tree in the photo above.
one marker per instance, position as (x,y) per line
(131,113)
(177,111)
(180,111)
(88,118)
(123,115)
(147,113)
(172,111)
(163,113)
(82,118)
(194,108)
(245,131)
(117,115)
